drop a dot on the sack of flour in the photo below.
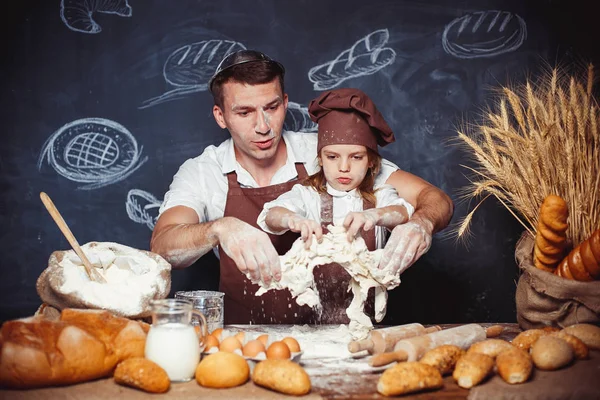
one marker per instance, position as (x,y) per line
(133,278)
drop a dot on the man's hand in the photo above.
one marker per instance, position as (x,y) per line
(250,249)
(306,228)
(407,243)
(366,220)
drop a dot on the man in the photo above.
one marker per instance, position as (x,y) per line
(215,199)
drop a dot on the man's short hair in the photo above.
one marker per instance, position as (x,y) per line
(245,66)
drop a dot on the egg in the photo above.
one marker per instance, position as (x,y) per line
(217,333)
(263,338)
(240,336)
(292,344)
(210,341)
(252,348)
(278,351)
(230,344)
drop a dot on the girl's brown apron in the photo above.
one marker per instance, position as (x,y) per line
(332,280)
(241,305)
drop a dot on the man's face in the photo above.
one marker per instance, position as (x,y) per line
(344,165)
(254,116)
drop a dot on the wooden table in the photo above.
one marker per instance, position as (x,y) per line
(338,382)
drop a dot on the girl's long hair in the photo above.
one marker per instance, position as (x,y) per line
(365,189)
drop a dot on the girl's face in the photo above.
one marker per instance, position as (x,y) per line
(344,165)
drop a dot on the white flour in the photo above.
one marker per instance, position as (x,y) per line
(132,278)
(297,275)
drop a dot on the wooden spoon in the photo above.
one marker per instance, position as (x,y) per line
(64,228)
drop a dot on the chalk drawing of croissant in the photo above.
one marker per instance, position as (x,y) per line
(298,120)
(93,151)
(484,34)
(365,57)
(190,67)
(142,207)
(77,14)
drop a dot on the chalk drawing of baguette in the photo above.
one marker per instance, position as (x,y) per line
(190,67)
(484,34)
(298,120)
(365,57)
(142,207)
(77,14)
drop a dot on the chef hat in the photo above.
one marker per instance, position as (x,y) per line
(349,116)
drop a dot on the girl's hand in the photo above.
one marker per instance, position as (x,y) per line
(306,228)
(366,220)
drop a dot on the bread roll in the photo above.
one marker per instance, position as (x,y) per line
(489,347)
(587,333)
(551,353)
(85,345)
(583,262)
(443,358)
(526,339)
(141,373)
(409,377)
(551,236)
(471,369)
(222,370)
(514,365)
(579,348)
(283,376)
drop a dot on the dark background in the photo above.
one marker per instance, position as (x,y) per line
(53,75)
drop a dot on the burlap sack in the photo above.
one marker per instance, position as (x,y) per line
(545,299)
(50,283)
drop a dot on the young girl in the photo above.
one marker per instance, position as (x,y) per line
(344,191)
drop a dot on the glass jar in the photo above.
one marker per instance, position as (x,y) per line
(208,303)
(173,342)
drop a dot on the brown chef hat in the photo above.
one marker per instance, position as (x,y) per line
(349,116)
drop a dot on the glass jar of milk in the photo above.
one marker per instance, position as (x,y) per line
(172,341)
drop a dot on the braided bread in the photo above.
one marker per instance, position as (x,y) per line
(551,237)
(583,262)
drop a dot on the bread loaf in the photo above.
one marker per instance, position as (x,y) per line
(409,377)
(471,369)
(489,347)
(526,339)
(222,370)
(443,358)
(283,376)
(587,333)
(144,374)
(514,365)
(85,345)
(583,262)
(551,237)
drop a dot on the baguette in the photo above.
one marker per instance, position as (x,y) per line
(551,236)
(583,262)
(86,345)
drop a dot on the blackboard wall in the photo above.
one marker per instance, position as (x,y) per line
(99,113)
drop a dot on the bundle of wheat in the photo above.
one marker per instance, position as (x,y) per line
(540,139)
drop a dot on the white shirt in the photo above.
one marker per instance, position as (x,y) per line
(201,182)
(306,202)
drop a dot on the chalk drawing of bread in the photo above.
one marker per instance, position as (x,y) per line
(93,151)
(190,67)
(298,120)
(77,14)
(365,57)
(142,207)
(484,34)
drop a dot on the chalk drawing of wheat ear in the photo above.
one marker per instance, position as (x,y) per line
(94,151)
(366,56)
(77,14)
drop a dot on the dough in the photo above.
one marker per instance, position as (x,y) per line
(297,276)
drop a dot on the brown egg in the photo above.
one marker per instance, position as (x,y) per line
(210,341)
(292,344)
(264,338)
(252,348)
(230,344)
(240,336)
(278,351)
(217,333)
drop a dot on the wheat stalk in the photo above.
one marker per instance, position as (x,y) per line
(539,140)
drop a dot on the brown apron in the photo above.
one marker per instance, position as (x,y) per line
(332,280)
(241,305)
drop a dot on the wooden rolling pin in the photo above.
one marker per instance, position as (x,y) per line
(412,349)
(384,339)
